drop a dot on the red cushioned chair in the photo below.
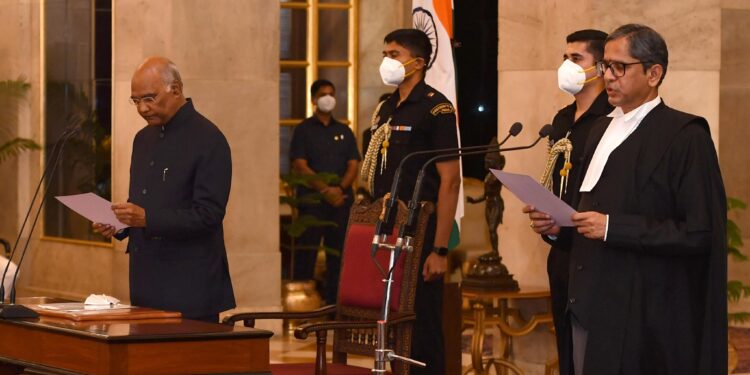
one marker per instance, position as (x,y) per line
(360,297)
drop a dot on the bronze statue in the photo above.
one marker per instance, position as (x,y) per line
(489,272)
(494,205)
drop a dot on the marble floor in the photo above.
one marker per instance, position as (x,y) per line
(285,348)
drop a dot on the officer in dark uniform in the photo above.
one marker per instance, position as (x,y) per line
(180,176)
(322,144)
(417,117)
(571,127)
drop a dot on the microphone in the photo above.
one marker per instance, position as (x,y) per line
(12,310)
(413,203)
(514,130)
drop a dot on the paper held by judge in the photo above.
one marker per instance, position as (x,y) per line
(529,191)
(92,207)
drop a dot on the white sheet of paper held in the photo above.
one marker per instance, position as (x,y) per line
(531,192)
(92,207)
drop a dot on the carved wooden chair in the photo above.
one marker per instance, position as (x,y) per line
(360,297)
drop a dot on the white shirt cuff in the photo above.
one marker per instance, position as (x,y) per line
(606,228)
(552,237)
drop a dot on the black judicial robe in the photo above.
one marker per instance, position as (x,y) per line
(653,296)
(181,173)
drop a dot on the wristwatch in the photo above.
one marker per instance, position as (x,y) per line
(442,251)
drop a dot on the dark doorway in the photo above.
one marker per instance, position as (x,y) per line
(475,40)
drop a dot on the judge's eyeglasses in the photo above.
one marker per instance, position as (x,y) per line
(617,68)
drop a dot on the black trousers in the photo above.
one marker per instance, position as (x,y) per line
(333,237)
(558,263)
(427,338)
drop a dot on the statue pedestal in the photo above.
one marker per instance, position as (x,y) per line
(490,273)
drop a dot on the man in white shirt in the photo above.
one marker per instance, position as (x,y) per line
(647,288)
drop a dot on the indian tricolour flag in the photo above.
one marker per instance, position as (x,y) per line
(435,17)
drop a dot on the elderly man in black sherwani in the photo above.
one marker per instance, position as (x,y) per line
(647,287)
(180,176)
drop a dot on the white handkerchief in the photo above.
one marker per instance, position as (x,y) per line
(101,299)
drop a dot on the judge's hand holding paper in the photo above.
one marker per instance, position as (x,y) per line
(547,212)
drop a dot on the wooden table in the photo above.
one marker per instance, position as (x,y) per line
(145,346)
(488,307)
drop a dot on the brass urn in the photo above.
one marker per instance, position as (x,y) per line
(296,296)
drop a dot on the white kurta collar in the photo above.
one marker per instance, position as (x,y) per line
(622,125)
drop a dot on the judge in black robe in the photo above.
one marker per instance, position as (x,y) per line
(647,277)
(653,295)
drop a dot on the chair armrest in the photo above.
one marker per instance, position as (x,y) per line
(249,318)
(303,330)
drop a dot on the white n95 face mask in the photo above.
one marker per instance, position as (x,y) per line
(393,71)
(326,103)
(571,77)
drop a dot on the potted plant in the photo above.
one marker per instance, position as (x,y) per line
(301,295)
(11,92)
(736,289)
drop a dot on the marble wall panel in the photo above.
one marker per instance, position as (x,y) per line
(696,92)
(376,20)
(530,31)
(734,154)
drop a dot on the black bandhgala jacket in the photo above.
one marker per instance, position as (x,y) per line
(181,174)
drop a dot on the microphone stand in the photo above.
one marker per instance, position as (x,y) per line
(379,241)
(390,198)
(420,177)
(408,226)
(383,354)
(11,310)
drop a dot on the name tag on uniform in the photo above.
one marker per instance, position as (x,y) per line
(401,128)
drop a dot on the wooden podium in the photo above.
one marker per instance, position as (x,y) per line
(139,346)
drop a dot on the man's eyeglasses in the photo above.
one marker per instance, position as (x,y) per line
(617,68)
(147,100)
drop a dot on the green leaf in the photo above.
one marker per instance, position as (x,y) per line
(736,290)
(300,225)
(737,254)
(14,88)
(330,250)
(734,234)
(733,203)
(740,317)
(298,179)
(308,199)
(15,146)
